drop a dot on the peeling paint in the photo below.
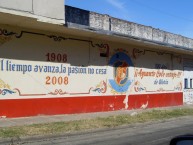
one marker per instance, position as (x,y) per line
(126,100)
(111,106)
(144,106)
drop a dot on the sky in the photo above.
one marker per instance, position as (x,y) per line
(175,16)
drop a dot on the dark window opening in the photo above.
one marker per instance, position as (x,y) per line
(186,83)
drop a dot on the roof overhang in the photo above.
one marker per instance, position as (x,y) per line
(26,22)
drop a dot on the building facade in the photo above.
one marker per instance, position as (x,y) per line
(89,63)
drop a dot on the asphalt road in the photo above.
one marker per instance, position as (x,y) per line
(156,133)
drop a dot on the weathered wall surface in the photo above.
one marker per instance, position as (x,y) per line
(188,85)
(130,29)
(77,16)
(50,74)
(188,80)
(21,5)
(43,73)
(51,9)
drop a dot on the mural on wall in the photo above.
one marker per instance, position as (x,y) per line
(55,75)
(121,63)
(161,77)
(75,75)
(44,72)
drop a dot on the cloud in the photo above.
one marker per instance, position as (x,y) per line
(120,6)
(116,3)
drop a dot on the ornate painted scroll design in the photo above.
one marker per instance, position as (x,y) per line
(138,87)
(178,87)
(101,87)
(22,94)
(5,36)
(6,33)
(58,92)
(5,89)
(79,93)
(103,49)
(136,53)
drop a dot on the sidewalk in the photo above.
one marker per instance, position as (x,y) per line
(8,122)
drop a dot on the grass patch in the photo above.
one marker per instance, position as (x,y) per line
(83,125)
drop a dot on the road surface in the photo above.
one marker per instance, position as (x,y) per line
(156,133)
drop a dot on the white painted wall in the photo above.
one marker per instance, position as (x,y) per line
(20,5)
(188,91)
(31,50)
(49,8)
(40,9)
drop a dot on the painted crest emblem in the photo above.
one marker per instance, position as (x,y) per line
(121,63)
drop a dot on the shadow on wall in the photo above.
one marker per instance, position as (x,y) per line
(76,16)
(78,51)
(35,46)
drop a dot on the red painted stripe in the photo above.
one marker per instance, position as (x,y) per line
(155,100)
(71,105)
